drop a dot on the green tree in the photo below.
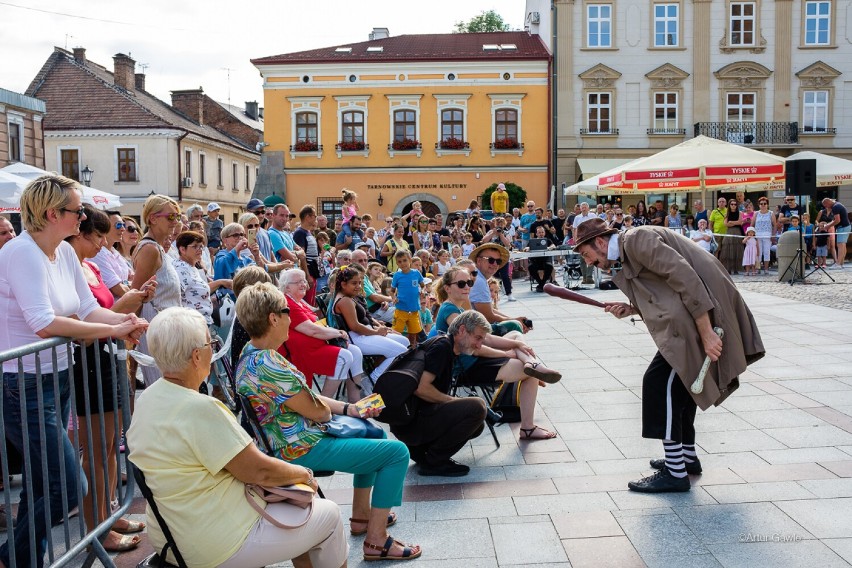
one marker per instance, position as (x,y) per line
(517,195)
(489,21)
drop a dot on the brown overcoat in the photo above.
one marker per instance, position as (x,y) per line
(670,281)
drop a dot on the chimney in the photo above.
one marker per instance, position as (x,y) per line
(140,81)
(379,33)
(80,55)
(123,75)
(260,113)
(252,109)
(190,103)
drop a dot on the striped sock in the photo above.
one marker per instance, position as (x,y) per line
(674,458)
(689,455)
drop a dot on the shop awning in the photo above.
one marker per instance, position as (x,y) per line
(590,167)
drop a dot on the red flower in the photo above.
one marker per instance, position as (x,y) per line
(405,144)
(505,144)
(306,146)
(454,144)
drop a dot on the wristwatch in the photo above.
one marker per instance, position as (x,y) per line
(310,476)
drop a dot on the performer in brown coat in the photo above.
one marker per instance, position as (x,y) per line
(681,293)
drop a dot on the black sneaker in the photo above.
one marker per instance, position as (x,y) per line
(660,482)
(450,468)
(693,468)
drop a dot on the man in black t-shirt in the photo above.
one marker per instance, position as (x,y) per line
(444,424)
(540,221)
(789,209)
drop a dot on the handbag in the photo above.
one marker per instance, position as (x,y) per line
(714,246)
(351,427)
(299,496)
(224,309)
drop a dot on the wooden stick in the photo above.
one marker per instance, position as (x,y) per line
(698,385)
(566,294)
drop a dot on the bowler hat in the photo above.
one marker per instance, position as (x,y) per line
(504,253)
(590,230)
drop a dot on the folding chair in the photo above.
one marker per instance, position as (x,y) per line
(263,441)
(157,559)
(486,393)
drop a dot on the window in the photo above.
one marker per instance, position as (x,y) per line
(666,25)
(665,112)
(599,110)
(818,23)
(452,124)
(202,173)
(70,164)
(187,163)
(331,207)
(16,132)
(815,111)
(404,125)
(248,180)
(506,125)
(599,25)
(741,107)
(306,127)
(352,129)
(126,158)
(742,23)
(220,173)
(234,177)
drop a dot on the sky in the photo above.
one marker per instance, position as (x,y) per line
(184,44)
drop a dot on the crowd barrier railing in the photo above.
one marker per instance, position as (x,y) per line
(35,414)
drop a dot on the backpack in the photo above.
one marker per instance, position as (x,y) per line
(398,383)
(507,401)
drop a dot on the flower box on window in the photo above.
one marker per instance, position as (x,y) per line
(305,146)
(453,144)
(506,144)
(405,144)
(355,146)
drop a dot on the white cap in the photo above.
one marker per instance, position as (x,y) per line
(213,207)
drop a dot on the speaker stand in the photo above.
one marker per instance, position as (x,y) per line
(802,258)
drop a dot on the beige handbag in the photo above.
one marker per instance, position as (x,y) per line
(300,497)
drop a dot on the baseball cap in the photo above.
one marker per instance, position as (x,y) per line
(254,204)
(501,186)
(213,207)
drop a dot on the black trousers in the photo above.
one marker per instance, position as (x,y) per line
(503,275)
(668,410)
(545,267)
(442,429)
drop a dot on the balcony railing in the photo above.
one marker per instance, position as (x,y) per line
(610,132)
(666,132)
(750,133)
(818,131)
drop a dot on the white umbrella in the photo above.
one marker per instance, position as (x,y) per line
(94,197)
(592,186)
(11,187)
(831,171)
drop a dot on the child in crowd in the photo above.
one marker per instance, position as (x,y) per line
(494,287)
(794,224)
(808,230)
(350,209)
(468,245)
(416,209)
(442,264)
(425,313)
(406,287)
(376,274)
(628,222)
(456,254)
(821,246)
(750,252)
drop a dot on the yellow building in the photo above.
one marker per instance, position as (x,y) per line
(434,118)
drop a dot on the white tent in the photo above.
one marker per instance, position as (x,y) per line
(11,187)
(592,186)
(831,171)
(94,197)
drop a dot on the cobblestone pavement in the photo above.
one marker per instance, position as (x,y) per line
(817,288)
(777,456)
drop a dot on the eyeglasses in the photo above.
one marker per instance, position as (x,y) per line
(763,203)
(490,259)
(284,311)
(120,226)
(132,229)
(170,217)
(790,200)
(462,284)
(79,212)
(198,246)
(238,235)
(474,273)
(530,206)
(208,344)
(253,226)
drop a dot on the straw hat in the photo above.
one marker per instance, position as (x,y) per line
(504,254)
(590,230)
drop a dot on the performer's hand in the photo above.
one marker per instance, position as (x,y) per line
(618,309)
(712,344)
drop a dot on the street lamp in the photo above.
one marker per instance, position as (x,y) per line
(381,200)
(87,175)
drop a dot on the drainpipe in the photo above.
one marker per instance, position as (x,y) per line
(179,165)
(552,126)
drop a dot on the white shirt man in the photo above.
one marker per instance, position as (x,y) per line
(7,231)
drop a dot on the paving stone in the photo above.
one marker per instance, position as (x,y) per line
(777,555)
(599,449)
(799,400)
(587,524)
(764,402)
(841,546)
(733,523)
(587,430)
(476,474)
(468,538)
(661,535)
(563,503)
(633,500)
(485,456)
(621,428)
(834,398)
(527,544)
(758,492)
(737,441)
(692,560)
(503,489)
(733,459)
(549,457)
(720,422)
(771,387)
(839,468)
(634,447)
(841,416)
(603,552)
(609,467)
(811,436)
(804,386)
(824,518)
(609,412)
(789,418)
(465,509)
(537,471)
(787,472)
(802,455)
(721,476)
(829,488)
(594,483)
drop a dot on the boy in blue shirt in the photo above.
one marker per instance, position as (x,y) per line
(406,286)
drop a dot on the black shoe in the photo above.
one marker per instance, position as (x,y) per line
(693,468)
(493,416)
(660,482)
(450,468)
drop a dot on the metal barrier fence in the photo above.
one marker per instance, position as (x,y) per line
(34,418)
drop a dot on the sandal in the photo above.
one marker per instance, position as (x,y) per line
(132,527)
(542,372)
(353,532)
(526,433)
(125,543)
(408,552)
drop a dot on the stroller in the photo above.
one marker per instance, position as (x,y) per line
(573,274)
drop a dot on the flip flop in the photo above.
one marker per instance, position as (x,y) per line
(391,522)
(125,543)
(541,372)
(526,433)
(132,527)
(407,551)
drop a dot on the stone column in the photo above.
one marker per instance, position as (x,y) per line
(701,71)
(783,60)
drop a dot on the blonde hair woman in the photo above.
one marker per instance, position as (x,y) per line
(161,216)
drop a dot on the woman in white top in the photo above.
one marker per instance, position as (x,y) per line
(114,271)
(195,287)
(43,293)
(161,215)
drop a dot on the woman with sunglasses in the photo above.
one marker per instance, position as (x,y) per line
(349,312)
(732,243)
(161,215)
(114,271)
(127,243)
(764,223)
(421,235)
(195,287)
(43,294)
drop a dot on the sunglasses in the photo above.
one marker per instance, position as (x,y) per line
(253,226)
(238,235)
(462,284)
(120,226)
(132,229)
(284,311)
(170,217)
(79,212)
(490,259)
